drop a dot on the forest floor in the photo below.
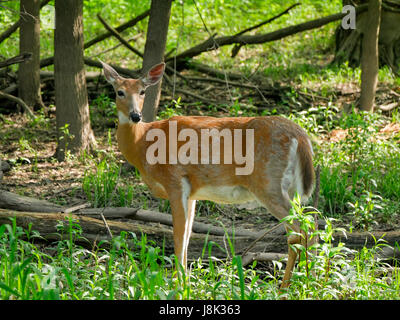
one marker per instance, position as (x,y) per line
(29,147)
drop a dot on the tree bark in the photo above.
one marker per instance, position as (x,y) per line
(29,41)
(156,40)
(71,95)
(163,218)
(349,42)
(8,32)
(17,59)
(95,63)
(370,56)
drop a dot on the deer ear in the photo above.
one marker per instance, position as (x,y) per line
(154,75)
(110,74)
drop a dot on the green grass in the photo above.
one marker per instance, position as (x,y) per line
(132,267)
(359,185)
(365,161)
(221,16)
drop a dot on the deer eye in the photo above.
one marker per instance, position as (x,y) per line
(120,94)
(142,92)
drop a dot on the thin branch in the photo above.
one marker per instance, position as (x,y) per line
(120,28)
(116,34)
(7,33)
(198,97)
(122,71)
(106,225)
(262,256)
(213,43)
(267,21)
(245,251)
(20,102)
(93,63)
(17,59)
(116,46)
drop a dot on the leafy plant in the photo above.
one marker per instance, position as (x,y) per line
(365,209)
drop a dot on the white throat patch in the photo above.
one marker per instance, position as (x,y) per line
(123,119)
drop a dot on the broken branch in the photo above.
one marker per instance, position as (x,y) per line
(116,34)
(213,43)
(20,102)
(17,59)
(120,28)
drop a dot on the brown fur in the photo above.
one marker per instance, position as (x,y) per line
(273,138)
(307,168)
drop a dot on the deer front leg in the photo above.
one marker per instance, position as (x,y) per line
(182,219)
(189,222)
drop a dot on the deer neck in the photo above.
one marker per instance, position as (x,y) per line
(130,137)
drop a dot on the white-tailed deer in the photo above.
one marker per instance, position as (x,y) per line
(278,161)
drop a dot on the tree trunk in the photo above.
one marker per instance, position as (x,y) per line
(370,56)
(72,111)
(349,42)
(29,41)
(156,40)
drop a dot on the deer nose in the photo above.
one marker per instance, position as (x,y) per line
(135,117)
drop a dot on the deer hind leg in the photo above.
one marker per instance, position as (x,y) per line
(281,211)
(278,205)
(292,256)
(182,219)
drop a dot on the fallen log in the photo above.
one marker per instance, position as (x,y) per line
(163,218)
(93,230)
(236,48)
(13,201)
(44,216)
(269,20)
(90,75)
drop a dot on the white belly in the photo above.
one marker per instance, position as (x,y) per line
(224,194)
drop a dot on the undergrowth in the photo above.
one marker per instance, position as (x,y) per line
(132,267)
